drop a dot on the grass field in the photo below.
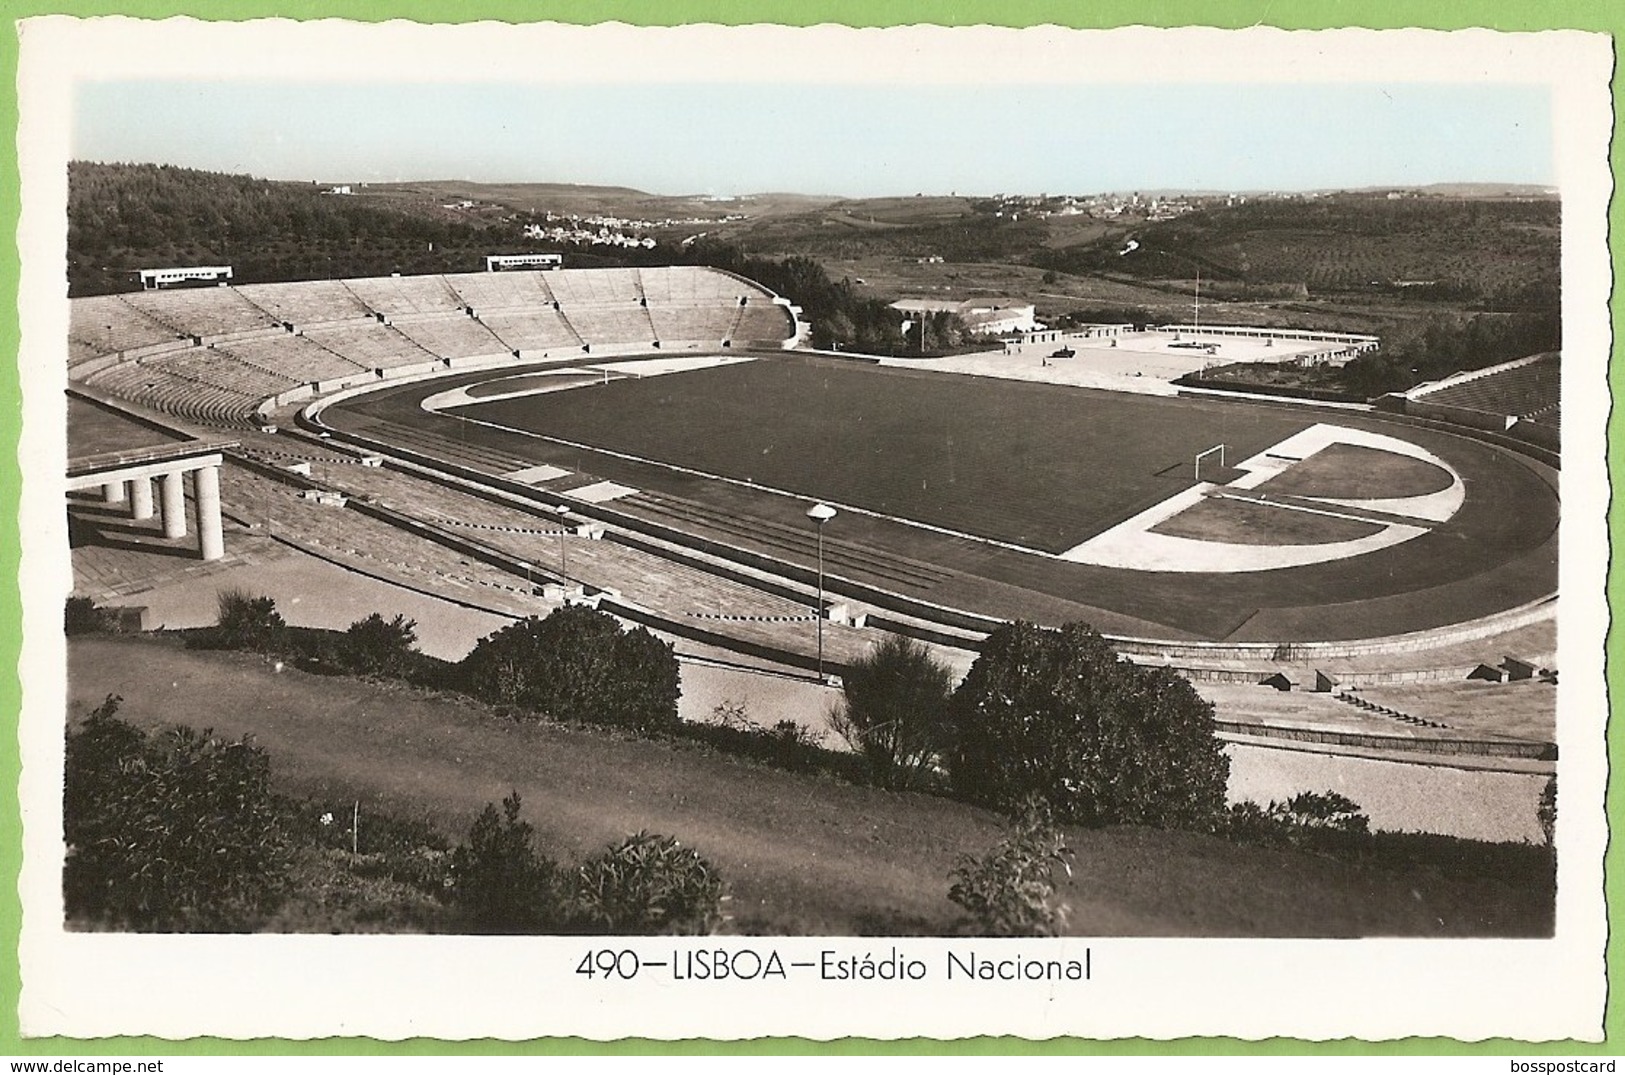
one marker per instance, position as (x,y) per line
(801,854)
(1033,465)
(1500,550)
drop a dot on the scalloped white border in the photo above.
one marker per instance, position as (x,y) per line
(455,988)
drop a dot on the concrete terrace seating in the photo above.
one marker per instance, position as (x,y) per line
(451,336)
(204,311)
(298,357)
(207,365)
(532,330)
(402,295)
(500,290)
(312,302)
(1531,389)
(763,320)
(370,344)
(170,390)
(107,324)
(701,322)
(612,325)
(251,356)
(687,283)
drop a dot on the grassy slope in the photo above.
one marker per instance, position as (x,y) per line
(803,855)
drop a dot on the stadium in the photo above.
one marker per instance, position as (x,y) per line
(650,440)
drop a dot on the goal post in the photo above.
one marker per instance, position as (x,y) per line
(1219,448)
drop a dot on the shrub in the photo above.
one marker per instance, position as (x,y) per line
(894,710)
(577,664)
(1056,713)
(644,885)
(1323,820)
(246,621)
(173,831)
(82,616)
(1010,891)
(499,880)
(1546,812)
(379,647)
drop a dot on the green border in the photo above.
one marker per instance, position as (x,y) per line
(1596,15)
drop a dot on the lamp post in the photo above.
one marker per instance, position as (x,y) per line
(820,514)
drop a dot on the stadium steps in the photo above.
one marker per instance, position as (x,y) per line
(752,530)
(1350,698)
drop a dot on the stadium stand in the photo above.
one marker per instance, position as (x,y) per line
(399,296)
(1519,391)
(370,344)
(315,302)
(453,336)
(108,325)
(297,357)
(204,311)
(214,354)
(498,290)
(1521,398)
(544,329)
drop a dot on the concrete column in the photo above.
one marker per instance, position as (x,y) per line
(113,493)
(211,544)
(172,505)
(140,498)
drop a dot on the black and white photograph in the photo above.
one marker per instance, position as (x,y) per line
(707,531)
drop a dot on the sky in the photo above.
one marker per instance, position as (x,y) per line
(830,139)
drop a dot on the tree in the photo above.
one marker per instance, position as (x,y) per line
(894,710)
(577,664)
(1056,713)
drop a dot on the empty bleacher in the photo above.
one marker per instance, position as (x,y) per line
(1528,390)
(451,336)
(711,323)
(400,296)
(763,320)
(107,324)
(250,356)
(617,325)
(313,302)
(203,311)
(499,290)
(543,329)
(370,344)
(297,357)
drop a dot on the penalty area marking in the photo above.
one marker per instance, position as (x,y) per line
(1132,545)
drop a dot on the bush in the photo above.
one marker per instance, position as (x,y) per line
(646,885)
(174,831)
(1010,891)
(82,616)
(1321,820)
(1056,713)
(577,664)
(499,880)
(1546,812)
(379,647)
(247,622)
(894,710)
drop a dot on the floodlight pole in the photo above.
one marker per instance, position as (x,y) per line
(820,514)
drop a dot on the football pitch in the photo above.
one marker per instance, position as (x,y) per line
(1026,464)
